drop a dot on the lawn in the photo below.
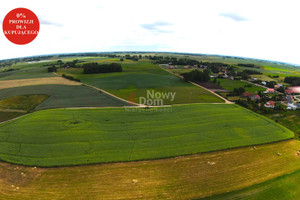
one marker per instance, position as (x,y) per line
(81,136)
(138,77)
(64,96)
(231,84)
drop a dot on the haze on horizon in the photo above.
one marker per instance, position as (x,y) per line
(254,29)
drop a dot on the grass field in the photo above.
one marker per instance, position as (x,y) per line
(187,177)
(81,136)
(27,70)
(286,187)
(143,76)
(231,84)
(64,96)
(290,119)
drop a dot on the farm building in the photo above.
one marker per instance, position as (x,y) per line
(186,67)
(171,67)
(270,104)
(293,90)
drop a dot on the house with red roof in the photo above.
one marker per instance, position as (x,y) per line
(270,104)
(247,94)
(276,86)
(270,90)
(186,67)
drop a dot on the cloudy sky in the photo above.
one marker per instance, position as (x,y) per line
(257,29)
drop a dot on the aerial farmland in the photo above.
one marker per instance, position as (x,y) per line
(127,125)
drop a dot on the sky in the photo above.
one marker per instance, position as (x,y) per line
(260,29)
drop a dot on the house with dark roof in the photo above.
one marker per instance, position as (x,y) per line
(255,97)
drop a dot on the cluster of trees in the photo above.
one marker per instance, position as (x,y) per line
(271,84)
(94,68)
(52,69)
(196,76)
(71,64)
(247,65)
(239,90)
(133,57)
(251,72)
(259,108)
(293,80)
(70,78)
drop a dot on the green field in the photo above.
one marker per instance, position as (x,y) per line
(64,96)
(27,70)
(286,187)
(143,76)
(231,84)
(81,136)
(289,119)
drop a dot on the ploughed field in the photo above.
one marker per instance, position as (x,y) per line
(60,137)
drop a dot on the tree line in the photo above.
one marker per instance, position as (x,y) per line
(196,76)
(293,80)
(93,68)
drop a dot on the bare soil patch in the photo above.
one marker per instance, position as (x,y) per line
(36,81)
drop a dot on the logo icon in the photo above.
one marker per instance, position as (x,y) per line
(21,26)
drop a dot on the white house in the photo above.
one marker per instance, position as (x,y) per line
(291,107)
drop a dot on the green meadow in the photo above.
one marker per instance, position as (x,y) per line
(231,84)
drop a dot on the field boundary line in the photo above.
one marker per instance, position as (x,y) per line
(226,101)
(110,94)
(12,119)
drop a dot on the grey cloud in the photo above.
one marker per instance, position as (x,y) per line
(233,16)
(157,27)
